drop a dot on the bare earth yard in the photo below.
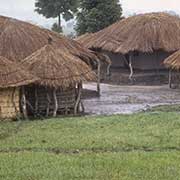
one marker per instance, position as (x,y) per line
(117,99)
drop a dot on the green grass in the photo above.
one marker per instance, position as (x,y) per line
(166,108)
(127,147)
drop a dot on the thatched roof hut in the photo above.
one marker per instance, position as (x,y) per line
(140,42)
(12,76)
(19,40)
(173,61)
(145,33)
(56,68)
(59,75)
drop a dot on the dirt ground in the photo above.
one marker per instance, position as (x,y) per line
(116,99)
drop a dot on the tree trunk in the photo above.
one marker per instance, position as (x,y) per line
(59,21)
(55,103)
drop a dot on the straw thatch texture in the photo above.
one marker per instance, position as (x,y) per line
(57,69)
(19,40)
(9,103)
(13,74)
(173,61)
(145,33)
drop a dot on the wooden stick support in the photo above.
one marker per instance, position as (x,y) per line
(36,100)
(55,103)
(13,102)
(170,78)
(99,78)
(48,103)
(131,68)
(78,100)
(23,104)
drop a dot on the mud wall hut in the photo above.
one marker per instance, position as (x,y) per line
(140,42)
(13,76)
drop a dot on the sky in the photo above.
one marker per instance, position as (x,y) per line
(24,9)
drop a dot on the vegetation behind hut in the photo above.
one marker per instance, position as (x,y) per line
(96,15)
(54,8)
(144,33)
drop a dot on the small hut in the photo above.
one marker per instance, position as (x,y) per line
(139,43)
(61,75)
(13,76)
(173,64)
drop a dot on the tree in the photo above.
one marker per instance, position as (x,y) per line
(56,28)
(95,15)
(57,8)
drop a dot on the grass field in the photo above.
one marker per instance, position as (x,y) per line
(144,146)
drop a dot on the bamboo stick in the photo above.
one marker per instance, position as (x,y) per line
(78,100)
(55,103)
(131,68)
(99,78)
(23,104)
(170,78)
(48,103)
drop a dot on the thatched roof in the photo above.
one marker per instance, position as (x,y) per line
(83,39)
(56,68)
(19,40)
(173,61)
(86,38)
(13,74)
(144,33)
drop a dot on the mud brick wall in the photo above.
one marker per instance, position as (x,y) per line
(7,108)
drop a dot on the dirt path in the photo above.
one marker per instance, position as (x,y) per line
(117,99)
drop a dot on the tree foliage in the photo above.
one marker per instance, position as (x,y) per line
(57,8)
(97,14)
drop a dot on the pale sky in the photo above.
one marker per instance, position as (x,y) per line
(24,9)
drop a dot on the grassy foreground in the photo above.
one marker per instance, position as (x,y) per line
(143,146)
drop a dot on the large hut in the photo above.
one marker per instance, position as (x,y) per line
(173,64)
(19,40)
(13,77)
(139,43)
(59,88)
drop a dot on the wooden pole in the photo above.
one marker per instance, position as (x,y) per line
(36,100)
(55,103)
(78,100)
(13,102)
(131,68)
(23,104)
(170,78)
(48,103)
(99,78)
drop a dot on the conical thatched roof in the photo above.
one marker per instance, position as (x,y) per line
(85,38)
(144,33)
(56,68)
(173,61)
(19,40)
(13,74)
